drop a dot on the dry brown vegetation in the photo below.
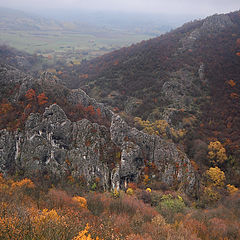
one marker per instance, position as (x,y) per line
(29,211)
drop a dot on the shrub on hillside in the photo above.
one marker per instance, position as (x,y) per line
(169,206)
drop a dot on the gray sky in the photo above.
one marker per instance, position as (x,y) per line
(193,7)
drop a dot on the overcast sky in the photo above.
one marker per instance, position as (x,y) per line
(190,7)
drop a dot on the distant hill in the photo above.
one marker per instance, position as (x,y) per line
(17,20)
(11,19)
(191,72)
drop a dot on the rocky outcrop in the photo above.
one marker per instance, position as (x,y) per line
(9,75)
(211,25)
(216,23)
(11,78)
(79,96)
(173,166)
(180,89)
(51,144)
(8,151)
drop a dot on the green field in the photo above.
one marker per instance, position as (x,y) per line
(60,41)
(34,34)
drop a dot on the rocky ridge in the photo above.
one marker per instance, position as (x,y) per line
(51,144)
(211,25)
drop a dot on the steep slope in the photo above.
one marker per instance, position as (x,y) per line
(39,138)
(148,70)
(189,73)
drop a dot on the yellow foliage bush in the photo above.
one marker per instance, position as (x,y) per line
(14,186)
(215,177)
(231,189)
(83,235)
(178,133)
(159,127)
(81,201)
(214,183)
(12,228)
(148,190)
(130,191)
(115,193)
(211,194)
(21,185)
(45,217)
(216,152)
(47,224)
(146,179)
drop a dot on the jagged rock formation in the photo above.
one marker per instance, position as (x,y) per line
(51,144)
(173,165)
(211,25)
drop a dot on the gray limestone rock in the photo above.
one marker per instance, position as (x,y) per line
(8,151)
(173,165)
(79,96)
(51,144)
(212,25)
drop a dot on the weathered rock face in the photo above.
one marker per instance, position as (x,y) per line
(9,74)
(78,95)
(10,77)
(51,144)
(213,25)
(216,23)
(179,91)
(173,165)
(7,150)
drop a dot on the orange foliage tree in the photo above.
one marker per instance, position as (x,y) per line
(42,99)
(30,95)
(231,83)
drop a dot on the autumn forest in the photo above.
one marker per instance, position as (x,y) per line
(136,143)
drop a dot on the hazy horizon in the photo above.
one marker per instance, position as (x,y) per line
(172,7)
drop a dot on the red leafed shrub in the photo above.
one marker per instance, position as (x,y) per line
(99,112)
(30,95)
(218,228)
(131,204)
(138,237)
(197,227)
(59,198)
(42,99)
(5,108)
(122,222)
(90,110)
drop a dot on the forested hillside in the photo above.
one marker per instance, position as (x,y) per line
(188,77)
